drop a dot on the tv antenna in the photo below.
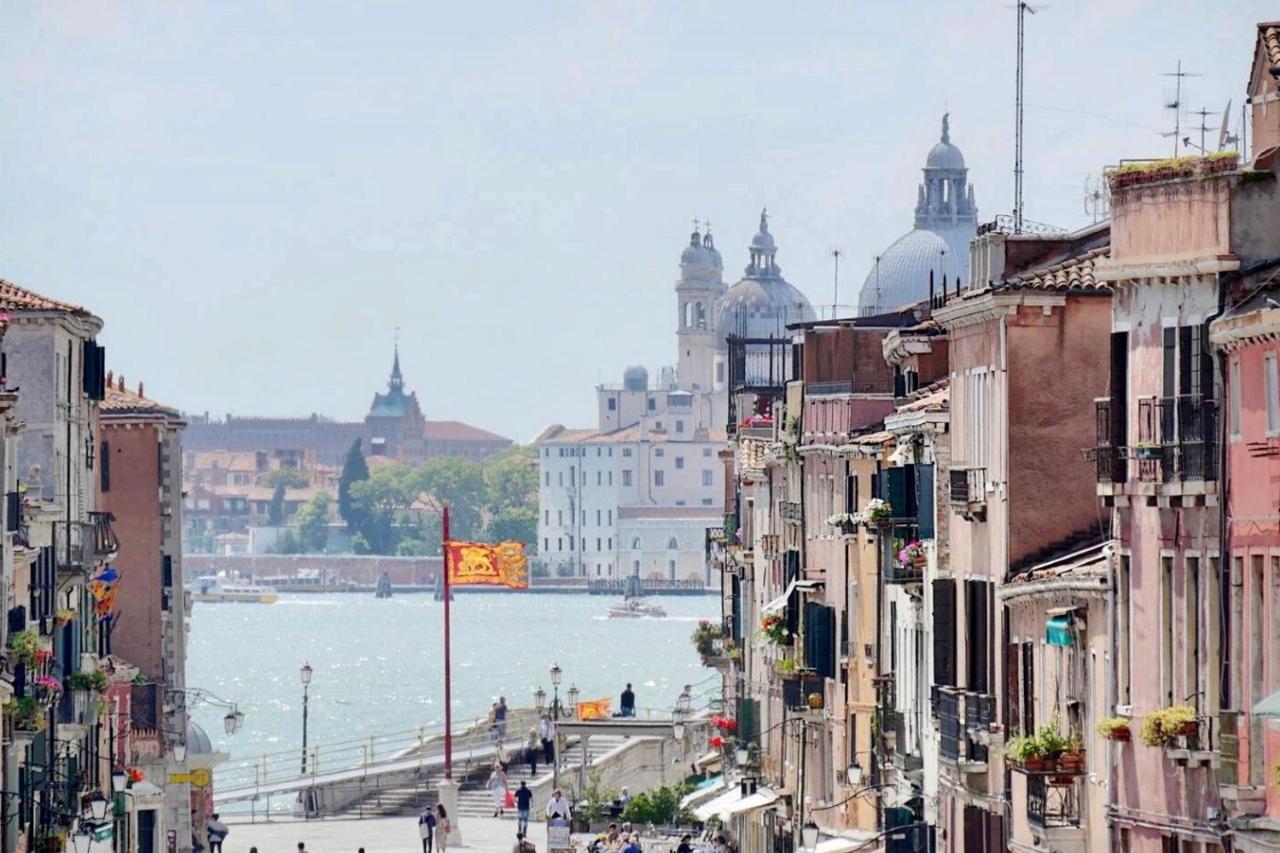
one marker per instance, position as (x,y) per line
(1023,8)
(1176,103)
(835,291)
(1097,198)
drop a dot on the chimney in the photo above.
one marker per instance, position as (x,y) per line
(110,375)
(140,394)
(121,386)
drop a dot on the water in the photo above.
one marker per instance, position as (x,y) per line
(378,666)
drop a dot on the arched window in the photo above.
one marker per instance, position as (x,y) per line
(635,544)
(687,319)
(672,544)
(700,315)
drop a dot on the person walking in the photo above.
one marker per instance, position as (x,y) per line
(546,731)
(531,747)
(502,755)
(302,847)
(628,702)
(524,799)
(523,845)
(217,830)
(492,721)
(426,829)
(497,786)
(500,716)
(443,828)
(686,844)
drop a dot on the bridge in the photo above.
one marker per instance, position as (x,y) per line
(397,772)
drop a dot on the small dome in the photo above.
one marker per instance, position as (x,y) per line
(944,155)
(635,378)
(700,260)
(763,239)
(761,308)
(197,741)
(901,277)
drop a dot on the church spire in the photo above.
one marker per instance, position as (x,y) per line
(946,128)
(396,383)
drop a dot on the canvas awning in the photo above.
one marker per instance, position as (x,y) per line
(710,761)
(1269,707)
(762,798)
(703,792)
(844,844)
(716,807)
(780,603)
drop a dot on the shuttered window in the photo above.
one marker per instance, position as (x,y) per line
(978,635)
(944,632)
(924,500)
(1028,687)
(819,639)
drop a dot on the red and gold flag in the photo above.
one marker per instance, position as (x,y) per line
(475,564)
(594,709)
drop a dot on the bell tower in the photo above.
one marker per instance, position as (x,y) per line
(701,284)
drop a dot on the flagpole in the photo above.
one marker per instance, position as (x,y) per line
(448,686)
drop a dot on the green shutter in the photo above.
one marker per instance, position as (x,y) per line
(1058,631)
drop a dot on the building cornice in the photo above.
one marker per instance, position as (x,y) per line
(917,422)
(992,306)
(898,347)
(1122,270)
(1024,591)
(1235,332)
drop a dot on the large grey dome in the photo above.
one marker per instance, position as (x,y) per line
(946,220)
(197,741)
(762,304)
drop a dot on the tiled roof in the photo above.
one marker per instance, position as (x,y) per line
(15,298)
(122,401)
(458,431)
(1075,274)
(880,437)
(1269,40)
(935,398)
(223,460)
(557,434)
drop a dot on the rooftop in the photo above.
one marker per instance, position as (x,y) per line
(16,298)
(121,401)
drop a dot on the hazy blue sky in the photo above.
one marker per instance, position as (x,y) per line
(254,195)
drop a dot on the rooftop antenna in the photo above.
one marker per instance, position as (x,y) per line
(1023,8)
(1224,132)
(1176,103)
(1097,198)
(1204,129)
(835,291)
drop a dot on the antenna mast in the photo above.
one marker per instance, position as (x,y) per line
(1176,104)
(835,292)
(1023,8)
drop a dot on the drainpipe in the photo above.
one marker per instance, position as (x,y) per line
(1112,675)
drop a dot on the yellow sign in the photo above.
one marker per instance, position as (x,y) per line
(200,777)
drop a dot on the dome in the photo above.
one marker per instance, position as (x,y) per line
(944,155)
(901,276)
(700,260)
(635,378)
(761,308)
(197,741)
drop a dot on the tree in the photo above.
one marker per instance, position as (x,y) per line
(460,484)
(379,500)
(414,548)
(354,470)
(275,512)
(511,479)
(312,521)
(290,478)
(288,543)
(518,523)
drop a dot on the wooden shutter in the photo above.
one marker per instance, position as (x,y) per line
(1028,687)
(944,632)
(900,490)
(978,632)
(924,500)
(819,639)
(1170,352)
(1012,695)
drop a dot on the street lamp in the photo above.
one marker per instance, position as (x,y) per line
(555,717)
(82,841)
(742,754)
(119,781)
(809,833)
(306,683)
(98,807)
(855,775)
(539,700)
(573,702)
(179,752)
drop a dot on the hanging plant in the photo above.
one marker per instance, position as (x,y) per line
(27,714)
(877,509)
(95,681)
(64,617)
(26,645)
(774,629)
(47,688)
(912,555)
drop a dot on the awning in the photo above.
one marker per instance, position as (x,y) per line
(1269,707)
(710,761)
(703,792)
(780,603)
(1058,631)
(706,811)
(845,845)
(759,800)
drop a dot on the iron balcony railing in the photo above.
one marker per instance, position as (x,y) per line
(968,486)
(1177,439)
(950,731)
(105,543)
(898,534)
(1108,449)
(1053,802)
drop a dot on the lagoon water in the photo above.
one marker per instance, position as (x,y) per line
(378,667)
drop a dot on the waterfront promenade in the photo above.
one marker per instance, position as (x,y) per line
(375,835)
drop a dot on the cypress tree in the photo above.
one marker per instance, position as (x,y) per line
(353,470)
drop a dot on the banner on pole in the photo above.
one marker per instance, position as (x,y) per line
(475,564)
(595,709)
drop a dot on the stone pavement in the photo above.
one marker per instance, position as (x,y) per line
(375,835)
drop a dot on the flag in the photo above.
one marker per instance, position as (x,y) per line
(596,709)
(474,564)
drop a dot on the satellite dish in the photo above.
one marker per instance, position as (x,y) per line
(1226,121)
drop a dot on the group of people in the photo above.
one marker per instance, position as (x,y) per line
(434,828)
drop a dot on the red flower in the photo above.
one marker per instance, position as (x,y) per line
(135,775)
(717,742)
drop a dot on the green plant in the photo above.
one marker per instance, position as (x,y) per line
(1052,742)
(1161,727)
(706,636)
(659,806)
(1022,748)
(27,714)
(774,629)
(594,798)
(1112,728)
(26,645)
(785,666)
(95,681)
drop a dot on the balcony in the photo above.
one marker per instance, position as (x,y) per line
(962,716)
(1177,440)
(950,734)
(1053,810)
(797,689)
(969,492)
(105,544)
(73,708)
(900,565)
(1107,452)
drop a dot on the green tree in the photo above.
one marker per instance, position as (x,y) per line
(380,500)
(275,512)
(290,478)
(519,523)
(312,521)
(659,806)
(460,484)
(511,479)
(354,470)
(414,548)
(288,543)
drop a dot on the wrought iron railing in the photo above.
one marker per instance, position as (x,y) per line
(968,485)
(950,731)
(1109,442)
(105,543)
(1177,439)
(900,534)
(1053,802)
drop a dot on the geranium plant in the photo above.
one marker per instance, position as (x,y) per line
(47,687)
(774,629)
(912,554)
(877,509)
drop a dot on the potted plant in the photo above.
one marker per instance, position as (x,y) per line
(1115,728)
(785,666)
(705,637)
(876,511)
(26,646)
(63,616)
(774,629)
(1017,749)
(1072,758)
(47,688)
(912,555)
(846,521)
(1052,742)
(1159,728)
(95,681)
(27,714)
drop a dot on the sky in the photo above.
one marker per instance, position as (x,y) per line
(255,197)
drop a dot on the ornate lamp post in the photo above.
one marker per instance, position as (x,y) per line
(555,720)
(306,683)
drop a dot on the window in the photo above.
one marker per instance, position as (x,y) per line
(679,461)
(706,501)
(570,543)
(609,515)
(560,477)
(635,544)
(673,544)
(613,404)
(1166,629)
(708,478)
(573,474)
(599,452)
(610,541)
(599,478)
(658,478)
(706,451)
(546,516)
(559,543)
(546,478)
(626,451)
(597,544)
(584,518)
(1123,621)
(659,452)
(1190,630)
(1234,381)
(653,404)
(546,543)
(610,478)
(560,517)
(597,518)
(679,426)
(657,424)
(1259,631)
(1273,395)
(626,477)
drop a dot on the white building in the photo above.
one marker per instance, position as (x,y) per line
(637,494)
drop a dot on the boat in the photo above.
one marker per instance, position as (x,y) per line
(635,608)
(221,589)
(310,580)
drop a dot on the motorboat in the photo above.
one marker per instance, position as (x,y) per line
(222,589)
(636,608)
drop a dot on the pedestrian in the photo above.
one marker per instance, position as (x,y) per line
(558,807)
(426,829)
(500,716)
(624,797)
(524,798)
(686,844)
(628,702)
(217,831)
(633,845)
(497,786)
(531,747)
(502,755)
(443,827)
(546,731)
(492,720)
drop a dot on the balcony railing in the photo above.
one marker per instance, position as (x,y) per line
(969,490)
(899,533)
(950,732)
(1108,448)
(105,543)
(1052,803)
(797,690)
(73,708)
(1177,439)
